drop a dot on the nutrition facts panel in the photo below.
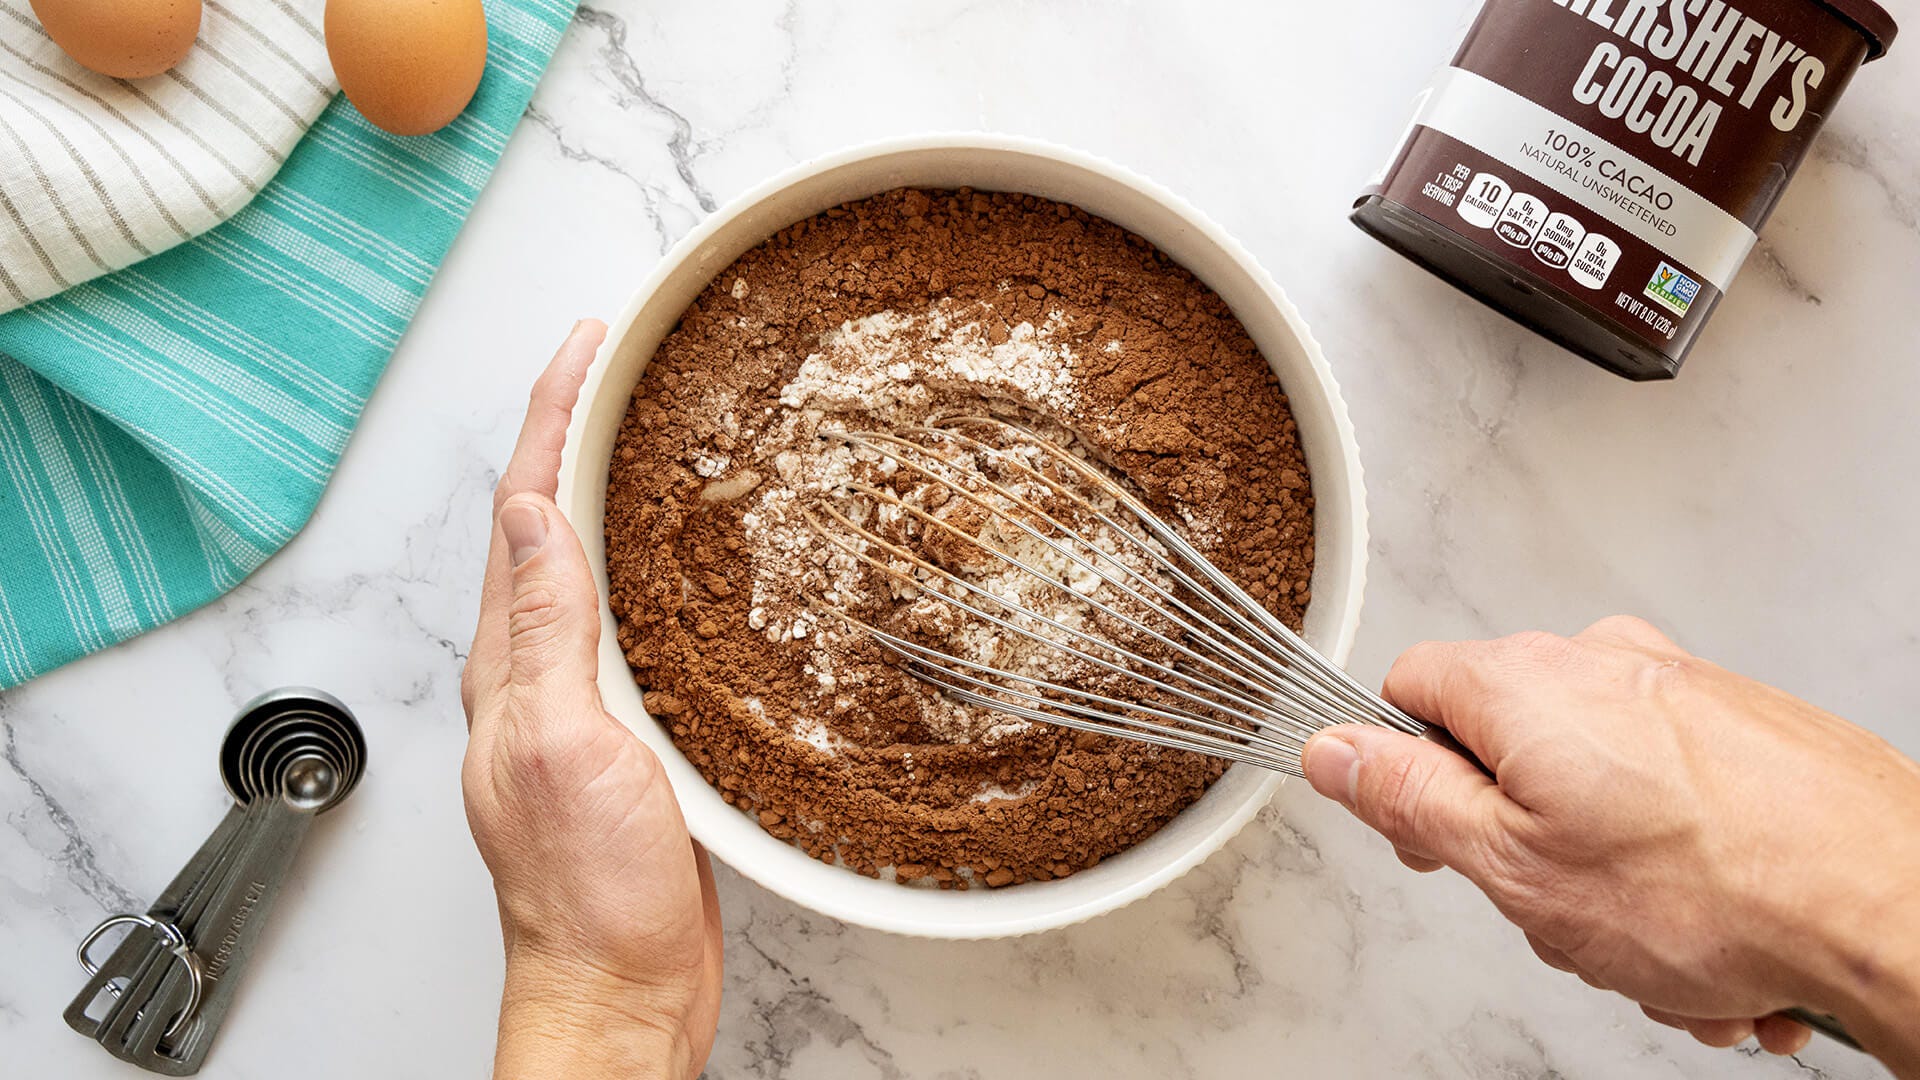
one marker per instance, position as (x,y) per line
(1558,239)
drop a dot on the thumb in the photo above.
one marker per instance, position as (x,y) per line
(1424,798)
(553,620)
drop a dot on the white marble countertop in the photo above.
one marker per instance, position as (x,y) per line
(1747,508)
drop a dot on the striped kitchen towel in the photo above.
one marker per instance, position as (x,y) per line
(166,428)
(99,173)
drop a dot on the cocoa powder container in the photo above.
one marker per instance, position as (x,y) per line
(1598,169)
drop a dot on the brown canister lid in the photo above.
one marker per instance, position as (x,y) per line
(1874,22)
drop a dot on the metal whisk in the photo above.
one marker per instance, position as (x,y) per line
(1139,635)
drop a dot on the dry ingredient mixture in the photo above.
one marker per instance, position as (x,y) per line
(880,315)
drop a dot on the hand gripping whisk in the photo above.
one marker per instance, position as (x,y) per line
(1080,606)
(1069,602)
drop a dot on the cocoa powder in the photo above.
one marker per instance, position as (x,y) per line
(898,307)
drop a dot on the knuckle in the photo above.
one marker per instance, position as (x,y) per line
(512,483)
(1634,632)
(476,778)
(1627,626)
(534,612)
(1533,651)
(544,386)
(1416,653)
(1537,644)
(1668,678)
(1397,797)
(646,767)
(1415,658)
(1414,671)
(1420,864)
(469,690)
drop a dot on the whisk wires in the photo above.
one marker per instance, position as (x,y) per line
(1121,626)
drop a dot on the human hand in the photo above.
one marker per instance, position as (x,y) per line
(607,907)
(1712,848)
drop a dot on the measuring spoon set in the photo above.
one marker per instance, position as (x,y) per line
(160,996)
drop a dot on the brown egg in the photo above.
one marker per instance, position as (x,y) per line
(409,66)
(127,39)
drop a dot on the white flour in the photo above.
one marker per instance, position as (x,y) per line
(882,372)
(888,372)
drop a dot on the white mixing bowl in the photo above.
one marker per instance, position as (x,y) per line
(996,163)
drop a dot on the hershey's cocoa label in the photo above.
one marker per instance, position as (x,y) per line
(1724,100)
(1623,153)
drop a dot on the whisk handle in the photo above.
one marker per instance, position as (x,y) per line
(1824,1024)
(1443,738)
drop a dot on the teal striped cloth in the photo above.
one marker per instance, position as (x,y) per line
(166,428)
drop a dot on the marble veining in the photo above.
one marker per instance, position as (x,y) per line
(1745,508)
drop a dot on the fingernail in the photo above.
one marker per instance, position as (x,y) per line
(1333,768)
(525,528)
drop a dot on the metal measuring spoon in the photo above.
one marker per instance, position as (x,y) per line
(226,932)
(144,997)
(289,755)
(111,979)
(139,965)
(286,759)
(160,988)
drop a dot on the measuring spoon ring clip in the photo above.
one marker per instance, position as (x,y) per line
(175,943)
